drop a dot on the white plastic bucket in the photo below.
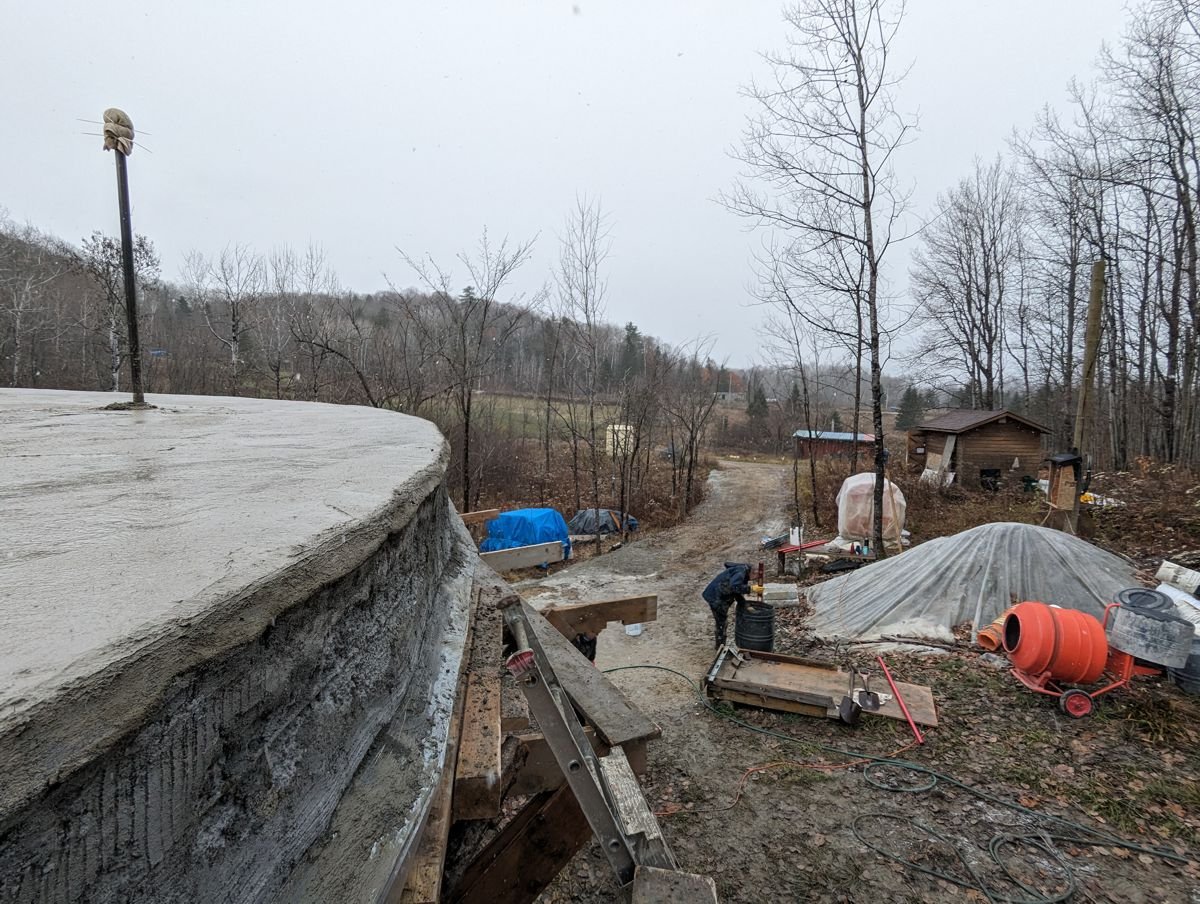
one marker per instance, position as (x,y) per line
(634,630)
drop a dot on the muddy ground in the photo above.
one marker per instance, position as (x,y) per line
(1132,769)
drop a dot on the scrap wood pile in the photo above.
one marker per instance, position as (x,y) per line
(544,752)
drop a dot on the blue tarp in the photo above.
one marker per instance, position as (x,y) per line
(526,527)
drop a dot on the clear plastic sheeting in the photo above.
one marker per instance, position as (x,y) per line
(856,509)
(968,577)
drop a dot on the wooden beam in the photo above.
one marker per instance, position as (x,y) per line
(514,708)
(477,790)
(663,886)
(524,556)
(480,517)
(522,861)
(591,618)
(540,772)
(617,721)
(636,819)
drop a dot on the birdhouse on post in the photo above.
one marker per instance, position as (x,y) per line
(118,137)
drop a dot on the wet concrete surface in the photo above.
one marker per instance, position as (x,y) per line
(230,631)
(119,523)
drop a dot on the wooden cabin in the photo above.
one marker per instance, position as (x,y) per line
(832,444)
(977,448)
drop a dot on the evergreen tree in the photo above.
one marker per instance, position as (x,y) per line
(835,423)
(794,403)
(632,363)
(912,409)
(757,406)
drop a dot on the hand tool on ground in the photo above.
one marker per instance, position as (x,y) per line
(849,709)
(867,699)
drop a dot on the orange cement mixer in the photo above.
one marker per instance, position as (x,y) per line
(1048,645)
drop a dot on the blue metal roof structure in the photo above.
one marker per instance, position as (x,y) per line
(834,436)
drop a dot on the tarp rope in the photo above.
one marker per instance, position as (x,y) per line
(1061,831)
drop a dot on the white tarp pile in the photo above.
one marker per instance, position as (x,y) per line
(856,511)
(972,576)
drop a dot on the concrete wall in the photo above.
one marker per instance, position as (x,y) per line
(209,760)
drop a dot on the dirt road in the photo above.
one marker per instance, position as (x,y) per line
(744,503)
(789,835)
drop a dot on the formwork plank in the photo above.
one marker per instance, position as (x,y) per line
(617,721)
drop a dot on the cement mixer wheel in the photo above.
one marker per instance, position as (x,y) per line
(1076,703)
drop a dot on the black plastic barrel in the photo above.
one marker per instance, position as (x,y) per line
(754,628)
(1188,677)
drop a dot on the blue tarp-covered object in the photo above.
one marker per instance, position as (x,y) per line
(600,521)
(526,527)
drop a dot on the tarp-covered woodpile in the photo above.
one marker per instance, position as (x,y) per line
(972,577)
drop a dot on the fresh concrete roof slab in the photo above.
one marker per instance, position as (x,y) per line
(120,528)
(230,637)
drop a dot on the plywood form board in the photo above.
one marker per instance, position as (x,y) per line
(808,687)
(617,721)
(514,708)
(480,517)
(539,771)
(524,556)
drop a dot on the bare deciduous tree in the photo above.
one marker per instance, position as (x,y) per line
(965,276)
(471,329)
(101,259)
(818,156)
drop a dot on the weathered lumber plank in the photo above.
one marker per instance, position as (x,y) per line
(528,853)
(477,789)
(633,813)
(480,517)
(662,886)
(514,708)
(540,772)
(477,780)
(524,556)
(591,618)
(617,721)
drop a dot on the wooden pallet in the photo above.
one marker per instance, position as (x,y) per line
(806,686)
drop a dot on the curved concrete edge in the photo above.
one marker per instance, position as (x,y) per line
(297,766)
(376,828)
(46,743)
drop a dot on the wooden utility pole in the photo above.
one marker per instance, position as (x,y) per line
(1066,471)
(1091,347)
(118,137)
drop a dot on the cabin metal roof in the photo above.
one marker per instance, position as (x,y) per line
(835,436)
(967,419)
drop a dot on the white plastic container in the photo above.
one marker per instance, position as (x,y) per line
(634,630)
(794,536)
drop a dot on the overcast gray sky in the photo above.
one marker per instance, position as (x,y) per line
(367,125)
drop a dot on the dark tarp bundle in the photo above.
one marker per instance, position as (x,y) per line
(600,521)
(526,527)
